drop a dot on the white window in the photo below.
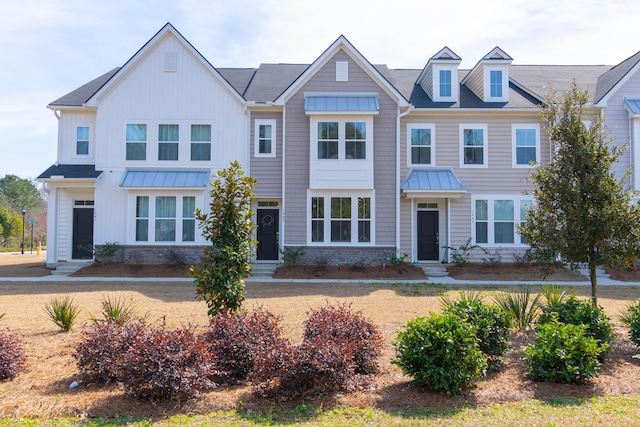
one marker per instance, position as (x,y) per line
(136,137)
(82,140)
(495,219)
(495,83)
(168,137)
(340,140)
(160,218)
(473,145)
(340,219)
(265,138)
(445,84)
(200,142)
(421,144)
(526,144)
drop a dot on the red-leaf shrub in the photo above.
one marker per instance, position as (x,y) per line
(238,340)
(351,330)
(100,356)
(168,364)
(12,357)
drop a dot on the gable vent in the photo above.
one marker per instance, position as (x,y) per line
(171,62)
(342,71)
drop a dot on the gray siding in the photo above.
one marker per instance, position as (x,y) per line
(267,170)
(297,134)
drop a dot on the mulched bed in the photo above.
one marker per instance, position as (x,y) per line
(403,272)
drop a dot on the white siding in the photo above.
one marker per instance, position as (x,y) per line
(67,134)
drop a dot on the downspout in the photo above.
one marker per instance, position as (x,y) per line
(282,210)
(448,230)
(400,116)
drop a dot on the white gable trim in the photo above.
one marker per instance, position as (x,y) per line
(342,44)
(164,32)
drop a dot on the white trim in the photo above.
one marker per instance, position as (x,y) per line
(432,146)
(504,83)
(491,198)
(514,148)
(256,137)
(635,149)
(453,69)
(485,144)
(90,148)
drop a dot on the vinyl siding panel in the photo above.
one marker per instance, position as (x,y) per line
(297,134)
(67,137)
(475,82)
(267,170)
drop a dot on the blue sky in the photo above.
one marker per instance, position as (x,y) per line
(50,47)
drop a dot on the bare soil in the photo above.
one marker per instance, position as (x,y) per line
(118,269)
(511,272)
(624,274)
(42,391)
(402,272)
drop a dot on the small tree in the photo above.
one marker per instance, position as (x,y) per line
(228,226)
(582,213)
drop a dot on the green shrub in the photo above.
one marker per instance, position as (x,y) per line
(632,318)
(563,353)
(492,324)
(441,352)
(581,312)
(522,308)
(553,294)
(62,312)
(116,310)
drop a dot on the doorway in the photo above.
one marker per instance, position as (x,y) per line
(428,236)
(82,233)
(267,234)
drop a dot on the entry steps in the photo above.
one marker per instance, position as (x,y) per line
(66,268)
(435,270)
(264,269)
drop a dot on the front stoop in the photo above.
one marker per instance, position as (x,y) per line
(435,270)
(264,269)
(66,268)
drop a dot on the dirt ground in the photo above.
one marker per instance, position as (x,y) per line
(43,390)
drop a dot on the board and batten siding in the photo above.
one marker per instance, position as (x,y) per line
(67,137)
(297,151)
(67,197)
(190,95)
(267,170)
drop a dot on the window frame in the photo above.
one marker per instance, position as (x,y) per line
(432,147)
(169,143)
(489,70)
(491,221)
(87,141)
(181,219)
(342,137)
(321,219)
(514,144)
(485,144)
(203,142)
(256,137)
(131,142)
(445,84)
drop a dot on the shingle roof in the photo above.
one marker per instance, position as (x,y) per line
(239,78)
(537,78)
(608,80)
(79,96)
(271,80)
(71,171)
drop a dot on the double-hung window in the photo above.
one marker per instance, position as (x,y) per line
(188,219)
(348,219)
(526,144)
(160,218)
(473,145)
(82,140)
(265,138)
(445,83)
(136,137)
(142,218)
(495,83)
(421,144)
(168,137)
(496,218)
(200,142)
(165,229)
(342,140)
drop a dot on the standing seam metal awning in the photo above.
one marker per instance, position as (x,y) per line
(160,178)
(353,103)
(432,182)
(633,106)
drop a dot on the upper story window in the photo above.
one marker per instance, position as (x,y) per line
(473,145)
(445,83)
(342,140)
(168,137)
(526,144)
(265,138)
(200,142)
(82,140)
(136,142)
(495,83)
(421,144)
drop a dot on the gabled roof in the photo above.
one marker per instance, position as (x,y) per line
(271,80)
(168,29)
(495,56)
(615,77)
(444,56)
(79,97)
(342,43)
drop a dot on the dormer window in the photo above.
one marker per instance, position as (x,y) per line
(489,78)
(439,78)
(445,83)
(495,82)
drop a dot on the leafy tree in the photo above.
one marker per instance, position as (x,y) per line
(10,225)
(228,226)
(20,193)
(582,213)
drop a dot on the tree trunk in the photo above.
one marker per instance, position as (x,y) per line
(594,283)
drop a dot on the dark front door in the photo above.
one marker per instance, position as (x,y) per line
(82,234)
(267,234)
(428,238)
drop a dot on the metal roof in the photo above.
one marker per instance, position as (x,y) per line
(70,171)
(341,103)
(437,180)
(633,105)
(164,178)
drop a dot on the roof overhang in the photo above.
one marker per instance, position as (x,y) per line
(195,179)
(434,182)
(59,175)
